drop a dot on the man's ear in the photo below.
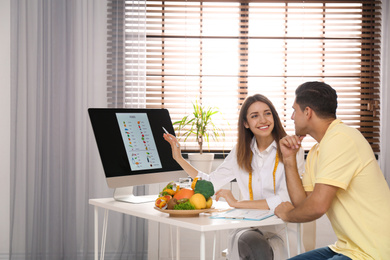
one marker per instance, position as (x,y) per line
(308,112)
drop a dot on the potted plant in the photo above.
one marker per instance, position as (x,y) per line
(200,125)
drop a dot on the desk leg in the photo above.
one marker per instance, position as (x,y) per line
(202,246)
(104,235)
(96,217)
(177,243)
(214,244)
(171,252)
(287,240)
(299,237)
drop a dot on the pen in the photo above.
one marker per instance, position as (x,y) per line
(165,130)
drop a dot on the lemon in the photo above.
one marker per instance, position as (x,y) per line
(198,200)
(209,203)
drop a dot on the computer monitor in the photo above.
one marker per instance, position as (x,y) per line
(132,149)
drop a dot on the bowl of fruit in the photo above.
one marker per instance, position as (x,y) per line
(186,202)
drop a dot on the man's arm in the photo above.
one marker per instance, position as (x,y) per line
(289,146)
(313,207)
(294,183)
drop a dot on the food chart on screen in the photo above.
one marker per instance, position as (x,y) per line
(138,140)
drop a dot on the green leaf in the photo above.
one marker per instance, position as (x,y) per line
(200,125)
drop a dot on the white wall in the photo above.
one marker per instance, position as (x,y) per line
(5,123)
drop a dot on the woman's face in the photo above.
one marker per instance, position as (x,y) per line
(259,119)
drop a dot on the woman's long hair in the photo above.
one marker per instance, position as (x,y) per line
(245,135)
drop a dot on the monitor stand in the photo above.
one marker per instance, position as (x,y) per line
(125,194)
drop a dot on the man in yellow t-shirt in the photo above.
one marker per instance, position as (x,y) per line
(342,179)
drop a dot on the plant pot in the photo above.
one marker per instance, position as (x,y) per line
(202,162)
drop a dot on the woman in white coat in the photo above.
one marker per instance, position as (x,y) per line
(257,165)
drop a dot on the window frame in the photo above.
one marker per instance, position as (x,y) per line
(367,115)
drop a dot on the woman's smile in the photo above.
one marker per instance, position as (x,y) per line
(263,127)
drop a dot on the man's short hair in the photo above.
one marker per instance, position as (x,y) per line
(319,96)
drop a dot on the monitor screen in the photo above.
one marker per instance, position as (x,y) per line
(131,146)
(140,146)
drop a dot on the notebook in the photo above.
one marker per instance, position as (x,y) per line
(246,214)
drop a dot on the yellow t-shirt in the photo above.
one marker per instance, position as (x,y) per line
(360,212)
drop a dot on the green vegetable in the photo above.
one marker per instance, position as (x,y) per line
(169,185)
(184,206)
(206,188)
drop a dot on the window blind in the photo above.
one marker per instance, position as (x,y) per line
(217,53)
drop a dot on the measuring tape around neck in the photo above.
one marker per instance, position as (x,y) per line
(273,175)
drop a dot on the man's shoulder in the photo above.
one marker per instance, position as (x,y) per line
(343,131)
(343,141)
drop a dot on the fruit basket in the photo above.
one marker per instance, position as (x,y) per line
(184,202)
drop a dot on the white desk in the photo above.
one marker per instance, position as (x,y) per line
(203,223)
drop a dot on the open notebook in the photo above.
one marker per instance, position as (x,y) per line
(247,214)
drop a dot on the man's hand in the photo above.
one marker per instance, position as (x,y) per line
(313,207)
(282,210)
(289,145)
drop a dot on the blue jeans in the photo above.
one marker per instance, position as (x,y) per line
(321,254)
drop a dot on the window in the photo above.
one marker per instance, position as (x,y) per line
(169,54)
